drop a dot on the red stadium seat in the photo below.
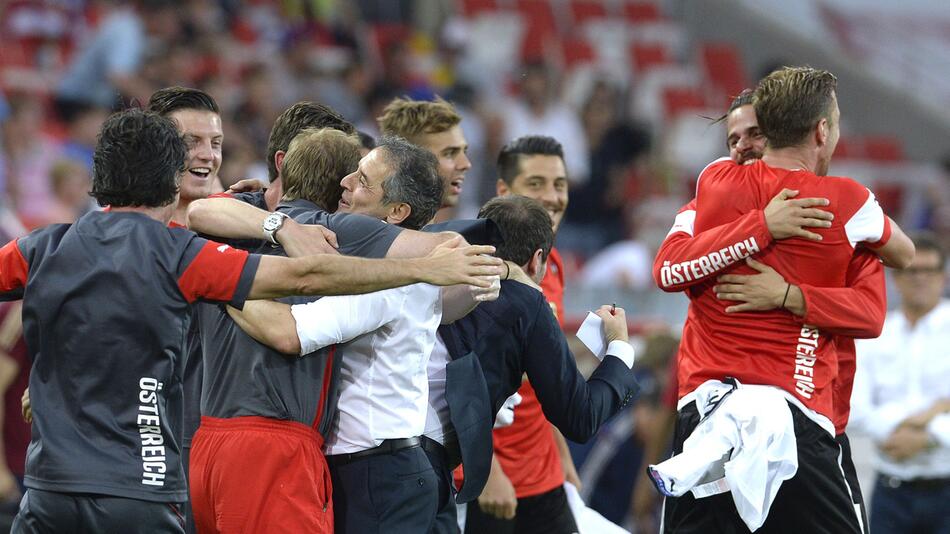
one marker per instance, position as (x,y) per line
(883,148)
(890,196)
(723,67)
(639,12)
(678,100)
(471,8)
(585,10)
(848,148)
(646,56)
(578,51)
(540,28)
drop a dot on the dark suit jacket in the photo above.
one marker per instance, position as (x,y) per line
(492,347)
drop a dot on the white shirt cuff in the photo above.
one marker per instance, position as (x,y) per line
(939,428)
(316,327)
(622,350)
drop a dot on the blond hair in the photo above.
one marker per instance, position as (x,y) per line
(790,101)
(316,161)
(411,119)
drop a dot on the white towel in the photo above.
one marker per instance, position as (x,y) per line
(746,445)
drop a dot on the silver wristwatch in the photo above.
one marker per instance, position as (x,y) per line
(272,223)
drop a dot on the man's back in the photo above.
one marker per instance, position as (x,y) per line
(106,312)
(773,347)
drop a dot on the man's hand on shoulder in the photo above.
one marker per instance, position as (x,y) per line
(306,239)
(247,185)
(450,264)
(788,217)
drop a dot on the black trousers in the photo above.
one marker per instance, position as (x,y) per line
(547,513)
(446,516)
(385,493)
(47,512)
(851,476)
(815,501)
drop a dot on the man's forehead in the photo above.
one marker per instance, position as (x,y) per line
(741,118)
(375,162)
(451,138)
(542,165)
(197,122)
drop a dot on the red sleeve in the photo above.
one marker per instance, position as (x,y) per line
(684,259)
(223,194)
(214,274)
(854,311)
(885,235)
(13,267)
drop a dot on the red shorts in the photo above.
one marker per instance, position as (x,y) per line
(255,474)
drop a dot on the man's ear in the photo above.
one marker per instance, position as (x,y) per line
(535,265)
(279,160)
(501,188)
(822,131)
(398,212)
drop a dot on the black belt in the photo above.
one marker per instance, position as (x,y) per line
(916,483)
(450,452)
(388,446)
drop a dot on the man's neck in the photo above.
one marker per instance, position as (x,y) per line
(273,194)
(160,214)
(914,315)
(791,158)
(180,215)
(446,213)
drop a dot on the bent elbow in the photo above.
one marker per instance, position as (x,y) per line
(194,213)
(287,345)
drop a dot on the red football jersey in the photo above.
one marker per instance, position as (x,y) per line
(526,449)
(769,347)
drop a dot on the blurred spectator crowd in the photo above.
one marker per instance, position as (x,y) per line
(617,82)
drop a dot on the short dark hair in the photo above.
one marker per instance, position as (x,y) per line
(294,120)
(367,141)
(791,101)
(138,160)
(524,224)
(746,97)
(414,180)
(929,241)
(509,159)
(171,99)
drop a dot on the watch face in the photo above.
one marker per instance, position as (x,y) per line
(273,222)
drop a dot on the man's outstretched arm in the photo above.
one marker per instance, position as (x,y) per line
(854,311)
(686,258)
(448,264)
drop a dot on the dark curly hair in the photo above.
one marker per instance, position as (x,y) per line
(139,158)
(296,119)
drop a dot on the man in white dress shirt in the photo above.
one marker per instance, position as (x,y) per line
(902,400)
(379,458)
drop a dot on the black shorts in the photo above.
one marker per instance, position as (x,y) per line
(851,476)
(816,500)
(49,512)
(547,513)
